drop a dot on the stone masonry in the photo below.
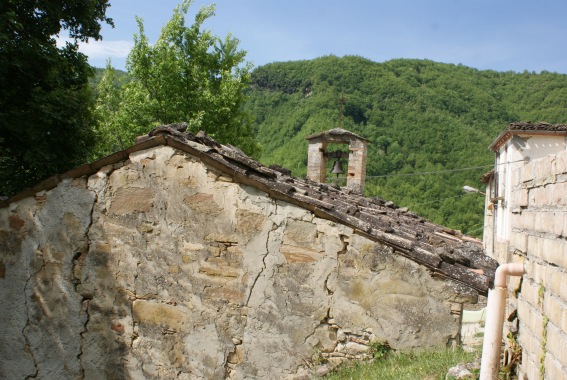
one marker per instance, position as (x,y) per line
(316,160)
(161,266)
(538,223)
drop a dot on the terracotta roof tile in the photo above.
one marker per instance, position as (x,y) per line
(444,251)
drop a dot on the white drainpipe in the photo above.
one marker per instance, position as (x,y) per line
(491,345)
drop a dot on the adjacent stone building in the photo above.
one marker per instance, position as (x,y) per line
(183,258)
(526,221)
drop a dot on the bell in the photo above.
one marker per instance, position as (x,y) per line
(338,168)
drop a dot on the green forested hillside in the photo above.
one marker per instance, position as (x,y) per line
(420,117)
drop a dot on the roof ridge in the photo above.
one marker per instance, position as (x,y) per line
(444,251)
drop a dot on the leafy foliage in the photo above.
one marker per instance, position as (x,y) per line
(420,117)
(188,75)
(45,101)
(380,349)
(107,105)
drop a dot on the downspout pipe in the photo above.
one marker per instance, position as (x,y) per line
(491,345)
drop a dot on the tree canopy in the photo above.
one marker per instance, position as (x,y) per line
(45,102)
(426,122)
(188,75)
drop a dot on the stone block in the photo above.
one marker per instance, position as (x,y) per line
(557,194)
(527,174)
(557,343)
(353,348)
(552,251)
(524,341)
(316,162)
(525,220)
(558,218)
(532,370)
(299,255)
(222,238)
(300,233)
(563,290)
(536,323)
(237,356)
(550,196)
(160,314)
(523,310)
(554,369)
(219,271)
(202,203)
(519,241)
(531,267)
(560,165)
(530,293)
(563,323)
(520,197)
(535,246)
(552,308)
(249,223)
(544,222)
(555,280)
(224,293)
(530,344)
(542,168)
(132,200)
(501,252)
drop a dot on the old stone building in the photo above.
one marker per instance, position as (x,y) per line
(526,221)
(183,258)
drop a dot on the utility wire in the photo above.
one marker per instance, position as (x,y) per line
(429,173)
(433,172)
(475,230)
(438,200)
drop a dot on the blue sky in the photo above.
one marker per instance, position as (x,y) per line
(500,35)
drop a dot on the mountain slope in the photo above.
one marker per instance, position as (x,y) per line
(420,117)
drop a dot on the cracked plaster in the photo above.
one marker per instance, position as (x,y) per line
(161,267)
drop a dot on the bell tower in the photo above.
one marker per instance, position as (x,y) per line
(317,156)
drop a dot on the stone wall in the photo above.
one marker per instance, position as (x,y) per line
(538,223)
(162,267)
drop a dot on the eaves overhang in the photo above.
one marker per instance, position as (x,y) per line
(444,252)
(529,129)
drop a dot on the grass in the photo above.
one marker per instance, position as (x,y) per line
(409,365)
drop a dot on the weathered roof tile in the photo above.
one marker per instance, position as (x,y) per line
(445,252)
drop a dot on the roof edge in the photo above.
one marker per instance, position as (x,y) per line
(461,260)
(527,128)
(336,132)
(85,169)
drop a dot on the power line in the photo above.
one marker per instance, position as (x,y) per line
(436,172)
(429,173)
(475,230)
(437,200)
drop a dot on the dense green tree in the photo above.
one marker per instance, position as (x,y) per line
(187,75)
(424,121)
(45,103)
(108,131)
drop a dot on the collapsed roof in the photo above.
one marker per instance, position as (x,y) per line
(445,252)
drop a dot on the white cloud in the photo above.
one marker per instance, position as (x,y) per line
(106,49)
(102,49)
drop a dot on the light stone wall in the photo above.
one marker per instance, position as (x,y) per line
(538,211)
(356,173)
(162,267)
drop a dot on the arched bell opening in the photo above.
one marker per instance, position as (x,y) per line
(323,156)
